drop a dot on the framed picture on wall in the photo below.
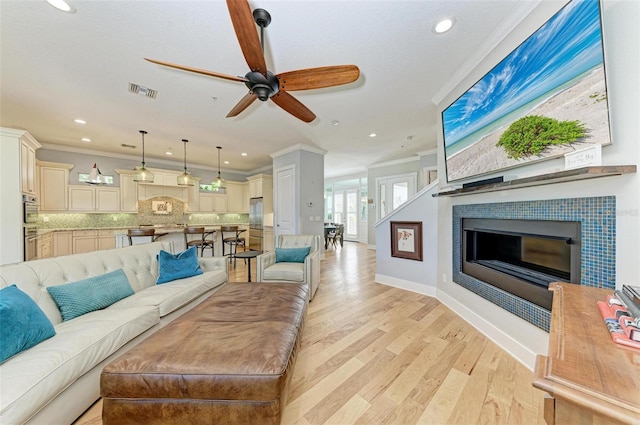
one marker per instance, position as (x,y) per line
(406,240)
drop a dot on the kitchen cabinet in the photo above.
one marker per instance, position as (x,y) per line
(146,191)
(128,192)
(93,240)
(54,186)
(163,178)
(193,198)
(62,243)
(28,166)
(259,185)
(17,177)
(268,243)
(106,239)
(237,197)
(84,241)
(213,202)
(94,199)
(44,246)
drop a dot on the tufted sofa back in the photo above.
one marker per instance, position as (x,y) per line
(299,241)
(32,277)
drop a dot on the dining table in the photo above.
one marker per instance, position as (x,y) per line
(328,228)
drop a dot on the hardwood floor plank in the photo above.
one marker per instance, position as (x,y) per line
(445,399)
(373,354)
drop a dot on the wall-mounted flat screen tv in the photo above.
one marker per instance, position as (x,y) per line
(546,98)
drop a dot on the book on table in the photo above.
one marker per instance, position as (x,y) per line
(622,327)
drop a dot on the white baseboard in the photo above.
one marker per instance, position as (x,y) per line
(518,351)
(406,284)
(371,246)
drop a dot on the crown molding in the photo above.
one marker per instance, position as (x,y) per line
(298,147)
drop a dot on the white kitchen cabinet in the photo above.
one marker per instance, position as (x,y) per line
(28,166)
(84,241)
(15,180)
(94,199)
(237,197)
(267,242)
(193,198)
(261,186)
(106,239)
(146,191)
(213,202)
(62,243)
(128,192)
(54,186)
(45,246)
(107,199)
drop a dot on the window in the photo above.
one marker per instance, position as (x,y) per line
(394,191)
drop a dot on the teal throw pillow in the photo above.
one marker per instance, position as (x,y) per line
(23,323)
(178,266)
(292,255)
(87,295)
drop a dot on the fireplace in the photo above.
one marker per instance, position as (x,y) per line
(595,245)
(521,257)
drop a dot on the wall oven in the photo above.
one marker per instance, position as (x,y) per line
(29,224)
(30,209)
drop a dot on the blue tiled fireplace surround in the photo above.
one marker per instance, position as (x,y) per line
(598,250)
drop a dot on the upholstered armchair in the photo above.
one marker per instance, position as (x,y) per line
(269,269)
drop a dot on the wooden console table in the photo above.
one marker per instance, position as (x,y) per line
(589,378)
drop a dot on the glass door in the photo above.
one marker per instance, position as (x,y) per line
(394,191)
(346,211)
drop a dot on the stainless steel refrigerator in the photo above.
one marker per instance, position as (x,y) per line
(255,224)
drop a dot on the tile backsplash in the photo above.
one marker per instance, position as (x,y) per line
(145,215)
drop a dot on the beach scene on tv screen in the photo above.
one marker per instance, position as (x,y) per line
(546,98)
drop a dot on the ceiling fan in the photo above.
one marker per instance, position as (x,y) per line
(263,84)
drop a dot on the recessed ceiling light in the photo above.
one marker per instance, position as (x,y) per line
(86,140)
(225,162)
(372,135)
(243,154)
(335,122)
(79,121)
(62,5)
(168,152)
(443,26)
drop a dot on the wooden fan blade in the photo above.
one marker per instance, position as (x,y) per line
(244,103)
(293,106)
(198,70)
(245,27)
(316,78)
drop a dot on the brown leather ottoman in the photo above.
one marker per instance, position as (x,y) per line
(227,361)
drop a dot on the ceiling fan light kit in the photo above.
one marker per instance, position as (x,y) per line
(185,179)
(263,84)
(141,174)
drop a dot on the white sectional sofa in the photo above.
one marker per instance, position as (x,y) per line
(58,379)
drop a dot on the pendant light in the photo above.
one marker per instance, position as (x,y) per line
(95,176)
(219,184)
(141,173)
(185,179)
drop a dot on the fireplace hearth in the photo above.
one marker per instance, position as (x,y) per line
(522,257)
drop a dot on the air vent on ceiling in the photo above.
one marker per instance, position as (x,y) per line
(143,91)
(124,145)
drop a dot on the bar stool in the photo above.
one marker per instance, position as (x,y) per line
(233,241)
(202,242)
(141,233)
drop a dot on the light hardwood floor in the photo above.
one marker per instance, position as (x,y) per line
(373,354)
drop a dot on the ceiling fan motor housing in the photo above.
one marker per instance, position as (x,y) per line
(263,87)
